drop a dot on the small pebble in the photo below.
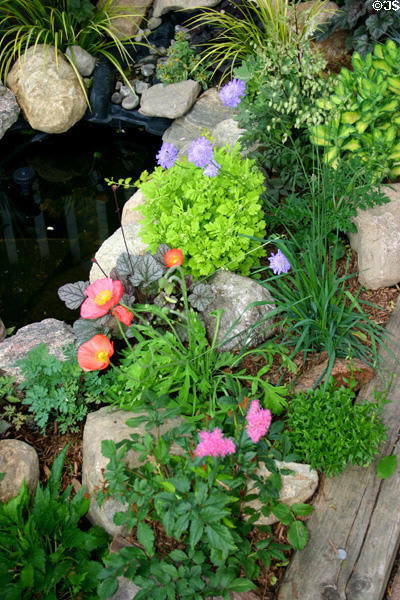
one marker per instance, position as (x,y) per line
(341,554)
(163,60)
(130,102)
(118,85)
(147,70)
(138,36)
(154,22)
(116,98)
(141,86)
(124,90)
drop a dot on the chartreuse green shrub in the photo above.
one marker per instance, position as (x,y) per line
(363,116)
(328,429)
(203,216)
(43,551)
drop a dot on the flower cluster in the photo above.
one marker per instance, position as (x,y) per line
(232,93)
(279,263)
(167,155)
(258,421)
(214,444)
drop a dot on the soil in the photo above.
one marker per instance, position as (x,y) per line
(49,446)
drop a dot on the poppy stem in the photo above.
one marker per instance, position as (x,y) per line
(94,261)
(114,189)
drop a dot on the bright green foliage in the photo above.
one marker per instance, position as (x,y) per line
(363,117)
(282,85)
(43,551)
(193,373)
(183,64)
(57,389)
(203,216)
(329,429)
(386,466)
(202,502)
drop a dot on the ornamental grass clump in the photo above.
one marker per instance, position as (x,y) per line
(202,205)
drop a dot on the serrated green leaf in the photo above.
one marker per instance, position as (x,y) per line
(242,585)
(302,510)
(298,535)
(145,536)
(283,513)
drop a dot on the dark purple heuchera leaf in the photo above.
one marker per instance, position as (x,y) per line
(85,329)
(161,252)
(126,262)
(356,10)
(73,294)
(201,296)
(147,270)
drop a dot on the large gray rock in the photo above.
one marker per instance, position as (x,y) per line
(297,487)
(130,212)
(110,424)
(163,6)
(47,90)
(9,109)
(170,101)
(234,293)
(207,113)
(108,253)
(85,62)
(227,133)
(54,333)
(377,242)
(19,462)
(132,13)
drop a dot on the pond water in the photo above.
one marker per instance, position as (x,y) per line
(51,227)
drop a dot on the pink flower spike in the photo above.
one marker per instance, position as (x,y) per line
(214,444)
(103,294)
(258,421)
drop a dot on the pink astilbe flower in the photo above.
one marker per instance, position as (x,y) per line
(258,421)
(214,444)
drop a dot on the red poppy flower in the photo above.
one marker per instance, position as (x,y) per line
(122,314)
(95,354)
(173,258)
(103,294)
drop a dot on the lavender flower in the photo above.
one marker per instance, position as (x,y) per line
(279,263)
(167,155)
(200,152)
(212,169)
(232,93)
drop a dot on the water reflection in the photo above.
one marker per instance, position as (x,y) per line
(51,226)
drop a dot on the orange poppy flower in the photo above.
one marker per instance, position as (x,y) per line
(122,314)
(173,258)
(95,354)
(103,294)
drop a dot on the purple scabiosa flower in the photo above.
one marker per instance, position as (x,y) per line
(200,152)
(258,421)
(214,444)
(167,155)
(279,263)
(232,93)
(212,169)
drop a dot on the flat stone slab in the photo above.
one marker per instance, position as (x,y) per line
(356,512)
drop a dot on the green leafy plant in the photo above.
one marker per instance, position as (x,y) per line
(282,86)
(55,388)
(26,23)
(198,500)
(257,23)
(43,551)
(329,429)
(366,26)
(9,414)
(175,358)
(363,114)
(189,210)
(182,64)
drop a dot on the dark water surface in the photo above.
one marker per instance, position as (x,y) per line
(50,230)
